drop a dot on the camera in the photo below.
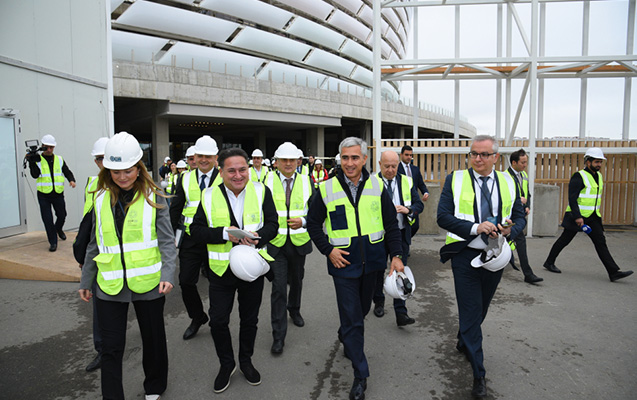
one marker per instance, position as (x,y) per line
(33,147)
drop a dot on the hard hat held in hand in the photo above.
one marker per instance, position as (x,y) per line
(400,285)
(287,150)
(99,147)
(495,257)
(206,146)
(48,140)
(246,263)
(122,151)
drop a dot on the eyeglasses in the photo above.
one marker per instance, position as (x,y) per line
(474,154)
(99,158)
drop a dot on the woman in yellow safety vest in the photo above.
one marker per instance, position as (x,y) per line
(319,174)
(132,256)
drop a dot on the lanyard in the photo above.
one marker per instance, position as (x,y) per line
(482,193)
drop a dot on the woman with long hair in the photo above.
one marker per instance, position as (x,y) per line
(132,256)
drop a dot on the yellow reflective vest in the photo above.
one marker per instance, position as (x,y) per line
(254,177)
(137,259)
(590,197)
(91,186)
(47,181)
(464,198)
(301,192)
(193,196)
(406,183)
(218,215)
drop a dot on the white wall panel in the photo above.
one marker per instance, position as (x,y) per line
(251,10)
(269,43)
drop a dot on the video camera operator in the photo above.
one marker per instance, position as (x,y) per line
(49,171)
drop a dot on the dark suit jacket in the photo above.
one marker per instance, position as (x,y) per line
(416,207)
(518,187)
(462,228)
(179,201)
(416,176)
(307,247)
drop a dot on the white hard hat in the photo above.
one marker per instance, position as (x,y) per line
(99,146)
(206,145)
(495,257)
(166,159)
(400,285)
(593,152)
(182,164)
(300,154)
(48,140)
(338,158)
(318,161)
(246,263)
(122,151)
(257,153)
(190,151)
(266,162)
(287,150)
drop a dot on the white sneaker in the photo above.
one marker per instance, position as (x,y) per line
(152,397)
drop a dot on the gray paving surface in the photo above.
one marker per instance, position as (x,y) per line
(571,337)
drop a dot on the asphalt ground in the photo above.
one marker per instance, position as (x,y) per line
(571,337)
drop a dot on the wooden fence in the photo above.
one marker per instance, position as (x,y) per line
(619,171)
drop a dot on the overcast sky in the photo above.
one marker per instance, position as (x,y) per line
(478,25)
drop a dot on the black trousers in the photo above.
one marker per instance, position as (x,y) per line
(113,320)
(59,206)
(520,246)
(400,306)
(222,292)
(474,288)
(192,259)
(354,299)
(288,268)
(596,236)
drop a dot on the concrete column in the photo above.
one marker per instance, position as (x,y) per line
(316,141)
(160,145)
(261,143)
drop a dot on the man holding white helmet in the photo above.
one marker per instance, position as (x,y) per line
(291,192)
(49,172)
(404,195)
(192,254)
(258,171)
(476,205)
(584,203)
(241,205)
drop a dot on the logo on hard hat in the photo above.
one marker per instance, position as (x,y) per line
(118,159)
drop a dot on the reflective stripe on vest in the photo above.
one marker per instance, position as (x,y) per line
(218,215)
(299,197)
(44,183)
(193,196)
(464,198)
(318,179)
(524,189)
(254,177)
(89,197)
(590,197)
(141,259)
(368,214)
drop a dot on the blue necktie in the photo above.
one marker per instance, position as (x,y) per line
(389,189)
(202,184)
(485,205)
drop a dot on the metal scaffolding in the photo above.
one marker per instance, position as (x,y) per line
(533,68)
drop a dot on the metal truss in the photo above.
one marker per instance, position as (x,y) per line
(533,68)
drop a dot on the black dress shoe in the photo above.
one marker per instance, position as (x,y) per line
(251,374)
(297,319)
(619,275)
(379,309)
(479,390)
(53,247)
(358,389)
(95,364)
(62,235)
(222,381)
(404,319)
(194,326)
(533,279)
(277,347)
(552,268)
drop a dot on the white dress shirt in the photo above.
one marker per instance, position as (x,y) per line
(478,243)
(236,206)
